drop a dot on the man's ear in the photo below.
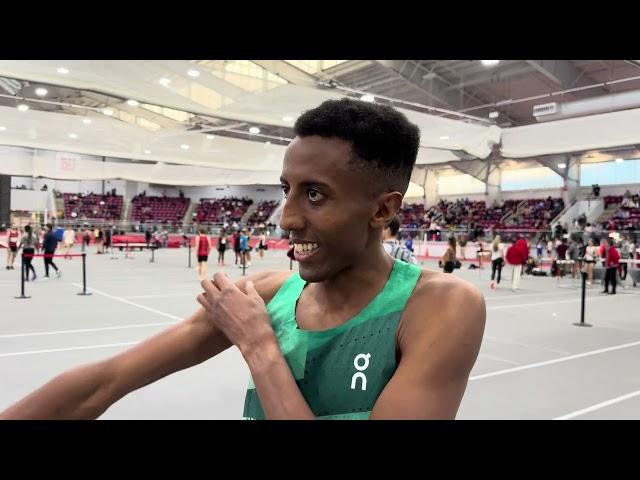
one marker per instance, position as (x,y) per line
(387,205)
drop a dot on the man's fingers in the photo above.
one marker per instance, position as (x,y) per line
(209,287)
(251,290)
(222,281)
(202,300)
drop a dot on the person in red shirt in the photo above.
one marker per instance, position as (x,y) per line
(517,255)
(611,258)
(203,247)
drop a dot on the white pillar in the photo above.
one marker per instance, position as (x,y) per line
(431,188)
(571,181)
(492,187)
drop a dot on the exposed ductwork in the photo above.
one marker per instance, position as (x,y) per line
(589,106)
(10,86)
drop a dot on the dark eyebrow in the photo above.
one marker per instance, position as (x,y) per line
(309,183)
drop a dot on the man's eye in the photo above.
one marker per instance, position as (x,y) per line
(285,191)
(314,195)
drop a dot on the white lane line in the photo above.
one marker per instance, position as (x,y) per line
(555,360)
(528,345)
(128,302)
(490,357)
(598,406)
(192,294)
(85,330)
(537,304)
(86,347)
(520,295)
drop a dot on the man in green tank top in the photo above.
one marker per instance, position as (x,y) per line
(355,334)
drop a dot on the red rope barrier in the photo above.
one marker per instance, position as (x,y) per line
(50,255)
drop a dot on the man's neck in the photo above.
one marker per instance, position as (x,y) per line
(356,282)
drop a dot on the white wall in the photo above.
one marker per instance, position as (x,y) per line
(270,192)
(70,186)
(523,194)
(612,190)
(473,197)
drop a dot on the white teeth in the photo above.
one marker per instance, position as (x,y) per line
(305,247)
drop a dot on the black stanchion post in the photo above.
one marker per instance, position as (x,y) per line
(189,266)
(22,274)
(153,254)
(290,263)
(582,323)
(84,275)
(244,264)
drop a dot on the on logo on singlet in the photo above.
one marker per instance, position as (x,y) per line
(361,368)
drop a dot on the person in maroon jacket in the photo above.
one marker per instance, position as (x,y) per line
(517,255)
(611,258)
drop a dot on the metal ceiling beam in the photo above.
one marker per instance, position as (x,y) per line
(181,67)
(433,86)
(287,71)
(562,72)
(497,74)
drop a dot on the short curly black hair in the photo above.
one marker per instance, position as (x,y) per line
(381,136)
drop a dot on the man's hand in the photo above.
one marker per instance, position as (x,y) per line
(243,318)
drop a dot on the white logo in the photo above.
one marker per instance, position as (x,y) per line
(360,368)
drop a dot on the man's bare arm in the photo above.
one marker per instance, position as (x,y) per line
(87,391)
(438,351)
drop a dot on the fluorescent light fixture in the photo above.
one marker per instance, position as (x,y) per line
(619,160)
(490,63)
(287,118)
(3,129)
(184,146)
(73,135)
(87,121)
(494,114)
(132,103)
(165,81)
(210,137)
(193,73)
(254,130)
(41,92)
(368,98)
(148,152)
(108,112)
(23,108)
(562,165)
(62,70)
(444,137)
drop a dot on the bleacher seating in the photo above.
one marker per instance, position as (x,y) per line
(159,209)
(222,210)
(92,206)
(262,213)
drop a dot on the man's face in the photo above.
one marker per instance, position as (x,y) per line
(328,206)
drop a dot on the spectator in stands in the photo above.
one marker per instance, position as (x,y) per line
(391,244)
(203,247)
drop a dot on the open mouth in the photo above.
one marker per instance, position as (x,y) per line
(302,251)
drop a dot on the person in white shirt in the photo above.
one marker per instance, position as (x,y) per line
(69,239)
(497,260)
(590,257)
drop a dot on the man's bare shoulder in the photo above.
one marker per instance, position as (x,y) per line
(443,304)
